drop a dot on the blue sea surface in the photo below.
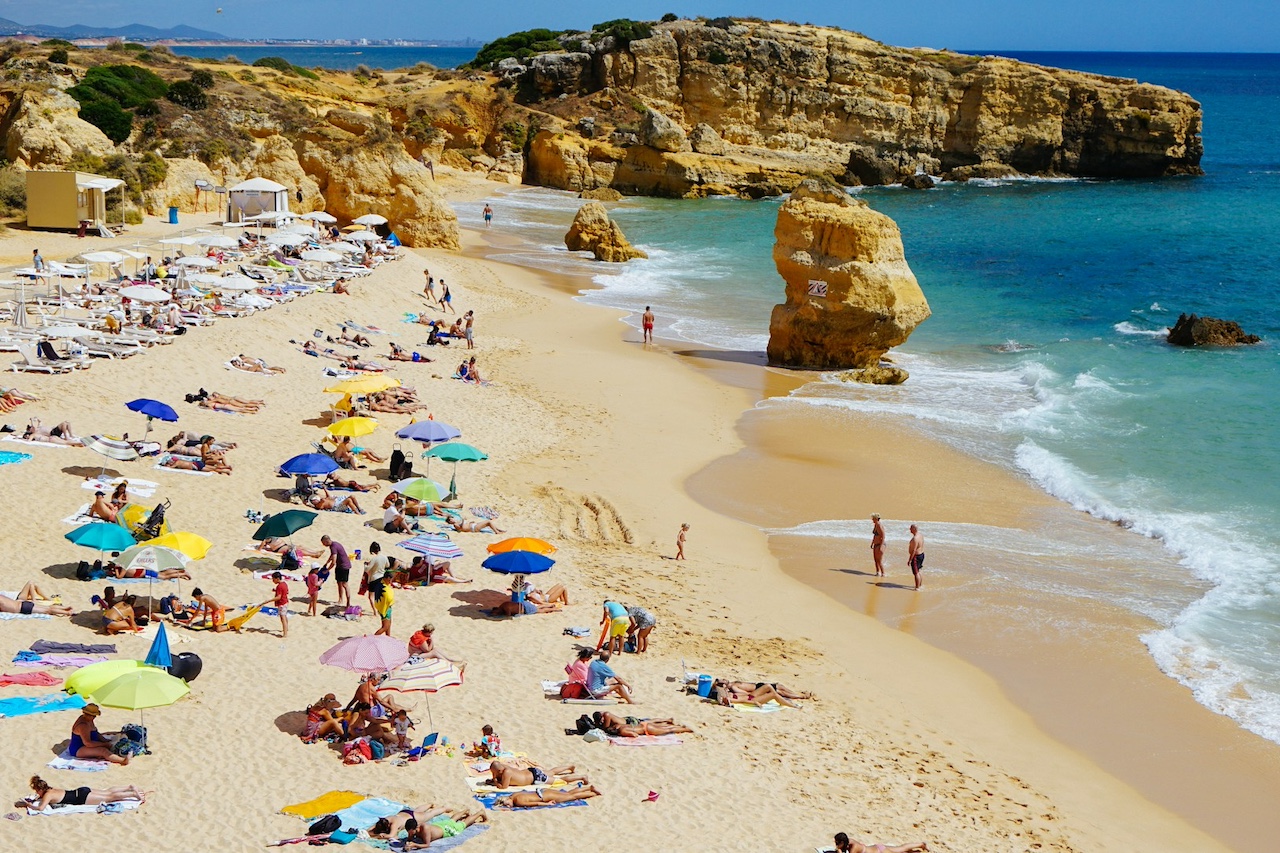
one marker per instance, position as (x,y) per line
(1045,351)
(338,58)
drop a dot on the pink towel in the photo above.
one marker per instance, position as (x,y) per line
(63,660)
(647,740)
(30,679)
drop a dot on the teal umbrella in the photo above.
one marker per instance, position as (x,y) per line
(284,524)
(102,536)
(455,452)
(159,653)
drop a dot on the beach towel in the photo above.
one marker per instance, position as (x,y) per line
(79,517)
(364,330)
(7,616)
(21,706)
(329,803)
(646,740)
(489,799)
(137,488)
(482,785)
(484,512)
(33,659)
(767,708)
(160,466)
(48,647)
(108,808)
(17,440)
(29,679)
(229,366)
(265,575)
(66,761)
(365,813)
(8,457)
(237,623)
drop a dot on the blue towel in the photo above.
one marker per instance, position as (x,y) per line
(365,813)
(490,799)
(20,706)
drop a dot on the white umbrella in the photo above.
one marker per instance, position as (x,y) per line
(218,241)
(370,219)
(197,261)
(301,228)
(178,241)
(103,257)
(320,216)
(273,216)
(137,256)
(232,225)
(286,239)
(63,331)
(349,248)
(321,255)
(145,293)
(203,278)
(362,236)
(235,282)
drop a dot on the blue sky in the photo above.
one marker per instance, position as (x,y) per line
(1175,25)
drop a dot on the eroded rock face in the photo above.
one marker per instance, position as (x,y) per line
(601,194)
(44,130)
(872,301)
(1194,331)
(594,232)
(658,131)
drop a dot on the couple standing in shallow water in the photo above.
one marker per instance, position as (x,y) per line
(915,549)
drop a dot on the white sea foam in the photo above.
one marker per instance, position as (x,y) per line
(1124,327)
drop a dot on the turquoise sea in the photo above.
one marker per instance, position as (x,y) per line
(1045,352)
(340,58)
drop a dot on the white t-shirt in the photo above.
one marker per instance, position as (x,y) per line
(390,515)
(377,567)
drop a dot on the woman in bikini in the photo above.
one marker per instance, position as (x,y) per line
(338,482)
(845,844)
(742,693)
(545,797)
(49,796)
(322,500)
(635,727)
(60,434)
(877,543)
(471,526)
(119,617)
(320,720)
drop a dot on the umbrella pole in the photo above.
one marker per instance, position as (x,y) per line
(430,722)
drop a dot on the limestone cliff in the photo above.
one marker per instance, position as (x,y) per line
(43,129)
(593,231)
(772,103)
(827,239)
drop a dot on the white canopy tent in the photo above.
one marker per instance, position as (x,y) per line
(255,196)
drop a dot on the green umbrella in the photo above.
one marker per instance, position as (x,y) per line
(421,489)
(284,524)
(145,687)
(87,679)
(455,452)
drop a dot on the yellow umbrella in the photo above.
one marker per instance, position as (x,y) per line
(353,427)
(363,385)
(190,544)
(87,679)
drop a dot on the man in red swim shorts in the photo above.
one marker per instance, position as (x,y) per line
(647,322)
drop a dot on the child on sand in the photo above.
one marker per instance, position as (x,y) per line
(313,590)
(490,745)
(280,601)
(401,723)
(684,528)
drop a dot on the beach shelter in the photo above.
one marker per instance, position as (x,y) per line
(141,688)
(189,544)
(152,558)
(353,427)
(367,653)
(434,546)
(428,432)
(101,536)
(256,196)
(112,448)
(363,385)
(311,464)
(518,563)
(522,543)
(428,676)
(370,219)
(455,452)
(319,216)
(153,409)
(420,489)
(63,200)
(89,678)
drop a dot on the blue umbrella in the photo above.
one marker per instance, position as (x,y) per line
(313,464)
(153,409)
(428,431)
(159,654)
(518,563)
(102,536)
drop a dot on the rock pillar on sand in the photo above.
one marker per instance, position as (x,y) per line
(850,294)
(594,232)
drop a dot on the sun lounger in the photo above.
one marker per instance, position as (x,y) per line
(32,363)
(551,690)
(51,356)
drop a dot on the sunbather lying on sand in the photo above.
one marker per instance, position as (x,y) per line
(160,574)
(743,693)
(420,835)
(339,482)
(85,796)
(636,727)
(517,773)
(60,434)
(475,525)
(31,592)
(182,464)
(399,353)
(11,398)
(253,365)
(276,545)
(845,844)
(103,508)
(322,500)
(27,607)
(545,797)
(186,441)
(353,363)
(391,827)
(383,401)
(781,690)
(351,337)
(417,507)
(557,594)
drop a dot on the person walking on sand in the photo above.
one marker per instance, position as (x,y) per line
(470,318)
(280,601)
(488,215)
(429,289)
(684,528)
(37,262)
(646,323)
(340,563)
(915,553)
(877,543)
(446,298)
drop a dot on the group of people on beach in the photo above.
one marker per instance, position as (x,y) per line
(915,549)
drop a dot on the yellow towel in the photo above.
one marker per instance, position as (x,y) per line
(334,801)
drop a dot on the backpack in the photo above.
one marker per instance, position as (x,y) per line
(82,571)
(325,825)
(132,742)
(376,750)
(573,690)
(584,724)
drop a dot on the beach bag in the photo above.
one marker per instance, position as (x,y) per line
(573,690)
(595,736)
(342,836)
(83,572)
(376,750)
(132,742)
(325,825)
(585,724)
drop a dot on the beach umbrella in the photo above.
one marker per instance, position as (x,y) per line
(428,432)
(312,464)
(455,452)
(285,239)
(522,543)
(178,241)
(362,236)
(301,228)
(319,216)
(158,655)
(112,448)
(353,427)
(104,257)
(239,283)
(101,536)
(153,558)
(325,256)
(428,676)
(348,248)
(141,688)
(64,332)
(518,563)
(190,544)
(367,653)
(421,489)
(436,546)
(89,678)
(369,219)
(284,524)
(144,293)
(153,409)
(218,241)
(363,385)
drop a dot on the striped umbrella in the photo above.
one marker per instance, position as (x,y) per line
(432,545)
(367,653)
(428,676)
(112,448)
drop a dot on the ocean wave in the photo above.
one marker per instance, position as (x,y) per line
(1124,327)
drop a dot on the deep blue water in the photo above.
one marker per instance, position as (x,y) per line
(1045,350)
(344,58)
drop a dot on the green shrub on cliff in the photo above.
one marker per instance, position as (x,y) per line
(624,30)
(107,116)
(139,172)
(520,45)
(186,94)
(59,56)
(56,43)
(202,78)
(13,191)
(127,85)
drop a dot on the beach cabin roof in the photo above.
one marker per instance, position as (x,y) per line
(261,185)
(85,181)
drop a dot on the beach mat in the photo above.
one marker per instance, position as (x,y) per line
(107,808)
(6,616)
(16,440)
(25,658)
(29,679)
(239,622)
(767,708)
(329,803)
(365,813)
(65,761)
(48,647)
(159,466)
(646,740)
(489,799)
(22,706)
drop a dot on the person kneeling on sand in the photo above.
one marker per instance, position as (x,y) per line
(545,797)
(519,773)
(845,844)
(212,614)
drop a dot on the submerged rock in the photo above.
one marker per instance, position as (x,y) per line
(850,294)
(1193,331)
(601,194)
(881,374)
(594,232)
(919,181)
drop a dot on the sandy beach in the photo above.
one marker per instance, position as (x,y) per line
(601,446)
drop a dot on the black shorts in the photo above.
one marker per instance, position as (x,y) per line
(342,575)
(917,562)
(26,607)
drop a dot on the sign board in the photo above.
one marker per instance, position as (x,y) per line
(203,184)
(818,288)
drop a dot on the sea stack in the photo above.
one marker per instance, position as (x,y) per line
(1194,331)
(850,294)
(593,231)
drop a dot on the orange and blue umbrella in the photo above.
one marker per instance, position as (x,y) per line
(518,563)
